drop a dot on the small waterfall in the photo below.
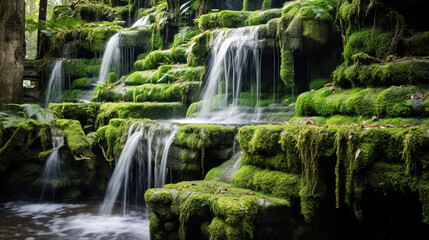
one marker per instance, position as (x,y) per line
(55,83)
(147,149)
(111,57)
(52,172)
(235,67)
(113,54)
(144,21)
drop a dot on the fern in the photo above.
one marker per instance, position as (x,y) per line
(36,112)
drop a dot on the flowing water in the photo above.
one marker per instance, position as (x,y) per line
(146,148)
(55,83)
(114,55)
(66,221)
(234,68)
(52,172)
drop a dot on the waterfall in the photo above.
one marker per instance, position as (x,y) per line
(146,148)
(113,53)
(234,67)
(144,21)
(52,172)
(55,83)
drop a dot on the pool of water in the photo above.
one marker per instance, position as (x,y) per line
(32,220)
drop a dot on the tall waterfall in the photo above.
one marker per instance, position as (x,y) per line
(234,67)
(52,172)
(147,149)
(113,55)
(55,84)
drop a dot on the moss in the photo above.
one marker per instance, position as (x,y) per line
(404,72)
(80,83)
(193,109)
(262,17)
(185,92)
(306,26)
(139,38)
(251,5)
(205,136)
(152,61)
(373,42)
(185,35)
(179,73)
(200,48)
(138,110)
(76,139)
(82,68)
(223,19)
(141,77)
(287,71)
(419,44)
(113,77)
(232,212)
(85,113)
(318,83)
(390,102)
(178,54)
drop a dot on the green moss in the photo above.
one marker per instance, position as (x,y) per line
(141,77)
(373,42)
(262,17)
(200,48)
(193,109)
(113,77)
(287,71)
(152,61)
(138,110)
(185,35)
(251,5)
(80,83)
(391,102)
(318,83)
(419,44)
(413,71)
(185,92)
(85,113)
(139,38)
(204,136)
(76,140)
(82,68)
(223,19)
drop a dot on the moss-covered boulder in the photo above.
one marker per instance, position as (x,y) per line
(223,19)
(405,101)
(409,71)
(203,147)
(185,92)
(138,38)
(138,110)
(211,210)
(262,17)
(185,35)
(82,68)
(85,113)
(76,141)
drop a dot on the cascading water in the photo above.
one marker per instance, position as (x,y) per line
(235,67)
(147,145)
(52,172)
(113,55)
(55,83)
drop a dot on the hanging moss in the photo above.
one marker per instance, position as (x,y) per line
(287,70)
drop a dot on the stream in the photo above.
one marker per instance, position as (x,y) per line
(78,220)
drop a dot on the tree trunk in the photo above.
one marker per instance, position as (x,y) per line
(12,50)
(42,18)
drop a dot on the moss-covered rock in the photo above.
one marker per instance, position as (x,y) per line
(223,19)
(401,72)
(138,38)
(76,140)
(200,48)
(185,35)
(262,17)
(85,113)
(202,210)
(185,92)
(391,102)
(138,110)
(152,61)
(82,68)
(141,77)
